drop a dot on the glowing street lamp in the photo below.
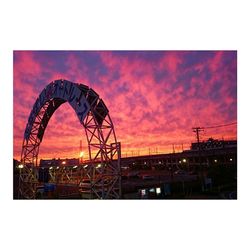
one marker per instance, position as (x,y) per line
(20,166)
(64,162)
(81,154)
(99,165)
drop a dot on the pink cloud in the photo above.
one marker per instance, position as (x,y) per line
(147,110)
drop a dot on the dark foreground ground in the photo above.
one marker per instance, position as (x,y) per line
(213,183)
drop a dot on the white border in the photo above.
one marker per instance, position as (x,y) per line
(123,25)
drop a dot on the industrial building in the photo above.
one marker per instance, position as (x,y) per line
(207,154)
(59,162)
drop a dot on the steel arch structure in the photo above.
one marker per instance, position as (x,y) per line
(103,180)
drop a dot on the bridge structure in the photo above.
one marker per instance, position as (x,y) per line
(100,178)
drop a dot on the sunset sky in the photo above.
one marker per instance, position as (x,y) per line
(154,97)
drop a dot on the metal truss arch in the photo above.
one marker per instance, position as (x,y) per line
(104,181)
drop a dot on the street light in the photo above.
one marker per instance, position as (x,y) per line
(20,166)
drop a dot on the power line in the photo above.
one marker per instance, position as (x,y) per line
(197,131)
(223,125)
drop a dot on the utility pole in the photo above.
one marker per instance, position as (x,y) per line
(197,130)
